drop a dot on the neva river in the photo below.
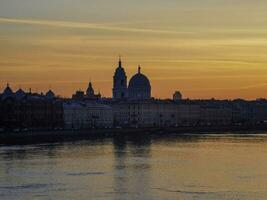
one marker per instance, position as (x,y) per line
(189,167)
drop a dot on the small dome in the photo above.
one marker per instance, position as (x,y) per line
(50,94)
(19,94)
(177,96)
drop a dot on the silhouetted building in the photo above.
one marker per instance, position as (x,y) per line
(130,106)
(78,96)
(120,90)
(50,94)
(177,96)
(29,110)
(87,115)
(90,94)
(139,87)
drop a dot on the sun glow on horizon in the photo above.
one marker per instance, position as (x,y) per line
(209,49)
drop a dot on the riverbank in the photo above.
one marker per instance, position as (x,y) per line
(43,136)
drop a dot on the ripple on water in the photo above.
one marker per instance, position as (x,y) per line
(25,186)
(85,173)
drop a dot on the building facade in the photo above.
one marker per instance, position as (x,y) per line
(168,113)
(21,110)
(87,115)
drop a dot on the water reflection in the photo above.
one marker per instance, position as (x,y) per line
(170,167)
(131,167)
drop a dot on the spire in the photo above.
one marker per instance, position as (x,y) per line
(139,69)
(90,90)
(120,61)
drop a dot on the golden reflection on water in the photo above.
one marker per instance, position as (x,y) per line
(173,167)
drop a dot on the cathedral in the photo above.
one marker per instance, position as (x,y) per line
(139,87)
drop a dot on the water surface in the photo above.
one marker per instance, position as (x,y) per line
(174,167)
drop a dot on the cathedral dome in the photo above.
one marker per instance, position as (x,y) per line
(139,81)
(139,86)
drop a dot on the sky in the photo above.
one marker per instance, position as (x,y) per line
(203,48)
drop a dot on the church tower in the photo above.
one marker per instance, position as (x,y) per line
(90,90)
(120,83)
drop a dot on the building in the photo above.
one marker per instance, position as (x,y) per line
(154,113)
(22,110)
(177,96)
(169,113)
(87,115)
(259,111)
(120,90)
(90,94)
(78,96)
(131,106)
(139,87)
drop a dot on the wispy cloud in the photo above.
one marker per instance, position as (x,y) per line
(94,26)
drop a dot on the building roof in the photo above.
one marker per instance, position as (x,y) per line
(90,89)
(50,94)
(120,70)
(20,94)
(139,81)
(7,92)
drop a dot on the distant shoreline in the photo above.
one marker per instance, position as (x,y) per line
(46,136)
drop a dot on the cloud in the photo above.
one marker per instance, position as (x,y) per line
(93,26)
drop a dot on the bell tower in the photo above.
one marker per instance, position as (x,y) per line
(120,83)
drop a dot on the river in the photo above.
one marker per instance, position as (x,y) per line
(215,166)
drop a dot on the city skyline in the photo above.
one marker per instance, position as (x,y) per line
(209,49)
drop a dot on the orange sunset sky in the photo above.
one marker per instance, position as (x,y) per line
(204,48)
